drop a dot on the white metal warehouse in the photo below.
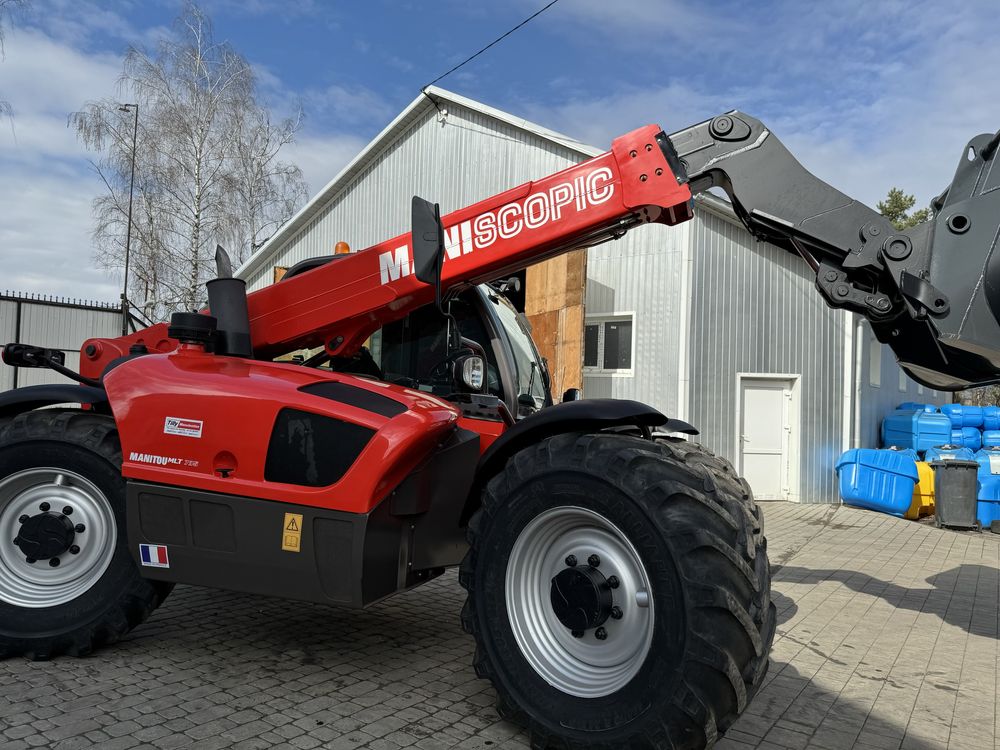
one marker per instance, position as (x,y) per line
(699,320)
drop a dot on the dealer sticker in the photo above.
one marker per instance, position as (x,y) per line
(180,426)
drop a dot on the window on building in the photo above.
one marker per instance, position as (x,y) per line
(920,390)
(875,363)
(607,344)
(903,380)
(591,339)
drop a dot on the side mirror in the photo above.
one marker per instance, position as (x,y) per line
(427,238)
(572,394)
(526,399)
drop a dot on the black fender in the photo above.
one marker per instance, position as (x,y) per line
(36,396)
(585,415)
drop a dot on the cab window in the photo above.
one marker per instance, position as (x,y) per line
(414,351)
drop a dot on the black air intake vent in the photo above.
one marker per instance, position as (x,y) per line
(312,450)
(357,397)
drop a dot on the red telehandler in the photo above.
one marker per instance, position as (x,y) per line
(377,417)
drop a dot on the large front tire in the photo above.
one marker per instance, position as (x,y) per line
(685,626)
(67,581)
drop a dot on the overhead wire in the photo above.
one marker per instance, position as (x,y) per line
(488,46)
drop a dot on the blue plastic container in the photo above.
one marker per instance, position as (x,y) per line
(918,430)
(916,406)
(904,451)
(877,480)
(970,437)
(949,453)
(991,438)
(964,416)
(991,418)
(989,463)
(988,503)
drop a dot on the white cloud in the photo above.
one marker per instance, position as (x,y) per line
(45,237)
(321,157)
(78,22)
(348,105)
(47,189)
(625,21)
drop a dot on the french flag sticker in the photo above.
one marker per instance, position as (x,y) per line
(154,555)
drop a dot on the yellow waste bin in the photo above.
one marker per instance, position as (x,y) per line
(923,492)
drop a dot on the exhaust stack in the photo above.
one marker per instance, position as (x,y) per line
(227,301)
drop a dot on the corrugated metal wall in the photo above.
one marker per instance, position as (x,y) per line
(641,274)
(8,316)
(464,158)
(878,400)
(755,310)
(53,326)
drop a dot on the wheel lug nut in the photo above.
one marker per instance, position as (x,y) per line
(571,561)
(577,633)
(79,528)
(44,507)
(594,561)
(67,511)
(23,519)
(75,550)
(54,562)
(600,634)
(616,613)
(613,582)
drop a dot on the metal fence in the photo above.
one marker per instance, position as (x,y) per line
(55,323)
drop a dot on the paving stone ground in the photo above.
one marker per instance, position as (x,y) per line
(887,638)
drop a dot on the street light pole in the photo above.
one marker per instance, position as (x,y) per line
(128,230)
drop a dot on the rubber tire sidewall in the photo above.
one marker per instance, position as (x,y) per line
(121,576)
(608,718)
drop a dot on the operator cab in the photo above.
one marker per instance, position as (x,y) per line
(414,352)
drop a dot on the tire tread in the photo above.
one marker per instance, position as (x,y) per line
(707,513)
(99,435)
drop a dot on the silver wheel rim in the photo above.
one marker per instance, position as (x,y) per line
(585,667)
(39,584)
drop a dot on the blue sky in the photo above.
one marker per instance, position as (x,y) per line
(866,94)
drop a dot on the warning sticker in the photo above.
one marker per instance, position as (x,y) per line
(291,535)
(180,426)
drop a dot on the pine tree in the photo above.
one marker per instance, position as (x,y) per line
(896,209)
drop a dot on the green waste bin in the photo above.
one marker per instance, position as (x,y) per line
(955,487)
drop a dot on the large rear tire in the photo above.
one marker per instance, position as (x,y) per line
(657,641)
(67,581)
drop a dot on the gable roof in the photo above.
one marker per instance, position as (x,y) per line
(417,109)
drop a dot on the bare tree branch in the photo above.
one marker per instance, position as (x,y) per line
(207,165)
(7,8)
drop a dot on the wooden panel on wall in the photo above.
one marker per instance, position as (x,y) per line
(554,305)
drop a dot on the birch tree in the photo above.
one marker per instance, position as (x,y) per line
(207,166)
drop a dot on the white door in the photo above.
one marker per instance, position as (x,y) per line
(766,414)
